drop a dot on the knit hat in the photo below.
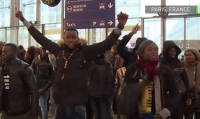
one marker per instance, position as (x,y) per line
(138,42)
(143,45)
(195,51)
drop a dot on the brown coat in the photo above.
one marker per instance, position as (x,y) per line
(191,75)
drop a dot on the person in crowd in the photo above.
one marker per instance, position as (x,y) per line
(30,54)
(44,74)
(120,56)
(170,58)
(192,68)
(21,52)
(73,63)
(18,85)
(101,88)
(1,46)
(117,62)
(37,51)
(127,55)
(146,88)
(109,55)
(52,60)
(52,107)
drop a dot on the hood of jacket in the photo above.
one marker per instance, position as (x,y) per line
(81,42)
(167,45)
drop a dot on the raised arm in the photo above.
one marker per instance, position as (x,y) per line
(125,54)
(30,79)
(100,48)
(39,37)
(122,44)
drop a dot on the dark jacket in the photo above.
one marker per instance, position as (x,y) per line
(1,60)
(102,83)
(174,63)
(43,71)
(73,89)
(22,86)
(133,95)
(129,56)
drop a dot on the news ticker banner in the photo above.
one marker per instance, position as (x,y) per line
(172,9)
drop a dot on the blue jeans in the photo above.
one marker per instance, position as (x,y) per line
(43,104)
(77,112)
(52,108)
(147,116)
(101,107)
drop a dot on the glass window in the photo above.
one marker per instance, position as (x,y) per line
(23,37)
(28,7)
(97,35)
(131,22)
(183,2)
(134,8)
(33,42)
(50,14)
(192,40)
(2,35)
(53,37)
(175,32)
(4,13)
(152,31)
(83,33)
(11,35)
(52,26)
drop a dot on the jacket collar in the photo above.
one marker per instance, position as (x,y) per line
(11,63)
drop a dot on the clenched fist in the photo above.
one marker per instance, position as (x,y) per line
(20,16)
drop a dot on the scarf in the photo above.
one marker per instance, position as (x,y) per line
(149,67)
(192,73)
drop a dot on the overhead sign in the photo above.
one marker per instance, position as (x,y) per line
(82,14)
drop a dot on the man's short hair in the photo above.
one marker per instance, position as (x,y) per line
(71,29)
(13,46)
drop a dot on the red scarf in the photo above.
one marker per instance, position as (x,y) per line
(149,67)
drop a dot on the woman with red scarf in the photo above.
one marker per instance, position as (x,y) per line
(144,87)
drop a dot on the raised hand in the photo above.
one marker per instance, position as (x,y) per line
(20,16)
(122,18)
(135,29)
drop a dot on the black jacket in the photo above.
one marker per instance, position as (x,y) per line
(134,91)
(73,89)
(22,86)
(102,83)
(174,63)
(43,71)
(128,56)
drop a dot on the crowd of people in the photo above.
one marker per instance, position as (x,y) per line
(94,81)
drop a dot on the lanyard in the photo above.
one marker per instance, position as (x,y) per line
(66,60)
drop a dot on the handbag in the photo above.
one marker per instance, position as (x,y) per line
(128,101)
